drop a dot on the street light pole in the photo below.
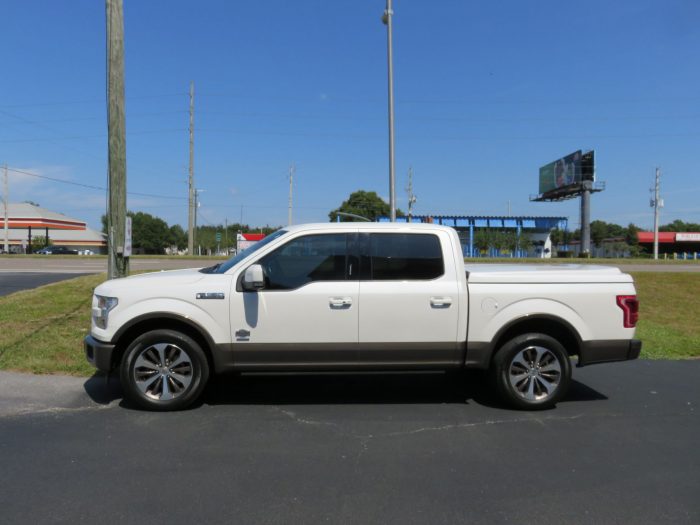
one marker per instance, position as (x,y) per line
(386,18)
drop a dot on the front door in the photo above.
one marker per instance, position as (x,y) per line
(307,313)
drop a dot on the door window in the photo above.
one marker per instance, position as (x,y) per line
(305,260)
(404,256)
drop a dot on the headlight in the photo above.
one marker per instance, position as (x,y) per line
(100,313)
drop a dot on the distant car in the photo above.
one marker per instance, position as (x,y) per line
(86,252)
(57,250)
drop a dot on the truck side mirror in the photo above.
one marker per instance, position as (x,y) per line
(253,278)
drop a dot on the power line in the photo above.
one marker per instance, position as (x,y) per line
(99,136)
(86,101)
(91,187)
(102,117)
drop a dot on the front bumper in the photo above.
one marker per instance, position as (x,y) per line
(593,352)
(98,354)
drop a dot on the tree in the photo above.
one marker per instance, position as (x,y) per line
(524,242)
(680,226)
(149,234)
(482,240)
(599,232)
(177,237)
(503,240)
(365,204)
(39,242)
(556,236)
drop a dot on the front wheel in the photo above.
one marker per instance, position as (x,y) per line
(163,370)
(532,371)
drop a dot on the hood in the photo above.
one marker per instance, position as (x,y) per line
(113,287)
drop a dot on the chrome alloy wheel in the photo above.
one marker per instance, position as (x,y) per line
(163,371)
(534,373)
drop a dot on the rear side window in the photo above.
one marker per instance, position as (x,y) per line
(404,256)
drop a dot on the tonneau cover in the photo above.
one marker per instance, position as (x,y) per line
(544,273)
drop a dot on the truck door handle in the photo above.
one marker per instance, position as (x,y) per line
(440,302)
(339,303)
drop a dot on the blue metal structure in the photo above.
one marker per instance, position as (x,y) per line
(468,223)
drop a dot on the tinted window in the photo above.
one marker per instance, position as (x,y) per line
(405,256)
(304,260)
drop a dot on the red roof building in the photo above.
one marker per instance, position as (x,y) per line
(671,242)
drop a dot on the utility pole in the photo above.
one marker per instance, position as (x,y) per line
(6,193)
(657,202)
(411,197)
(192,197)
(226,234)
(196,207)
(386,18)
(586,187)
(118,264)
(292,169)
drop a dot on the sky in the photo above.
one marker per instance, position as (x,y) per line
(486,92)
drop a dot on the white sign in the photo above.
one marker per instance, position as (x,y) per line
(127,237)
(688,237)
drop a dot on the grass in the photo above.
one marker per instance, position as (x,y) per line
(669,324)
(41,330)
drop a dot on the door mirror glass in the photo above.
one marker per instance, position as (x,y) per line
(253,278)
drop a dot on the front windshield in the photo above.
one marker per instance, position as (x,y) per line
(224,267)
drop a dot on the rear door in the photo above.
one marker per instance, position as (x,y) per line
(408,300)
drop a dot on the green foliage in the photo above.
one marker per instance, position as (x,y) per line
(365,204)
(680,226)
(505,241)
(152,235)
(599,232)
(482,240)
(39,242)
(178,237)
(205,236)
(626,237)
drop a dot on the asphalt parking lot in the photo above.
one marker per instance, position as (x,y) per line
(382,448)
(11,282)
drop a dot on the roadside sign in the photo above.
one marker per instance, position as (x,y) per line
(127,238)
(218,236)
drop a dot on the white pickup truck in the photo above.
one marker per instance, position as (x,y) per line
(360,296)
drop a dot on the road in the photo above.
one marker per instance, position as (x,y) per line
(11,282)
(407,448)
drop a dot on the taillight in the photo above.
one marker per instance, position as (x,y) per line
(630,309)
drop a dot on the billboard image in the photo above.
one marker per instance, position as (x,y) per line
(561,173)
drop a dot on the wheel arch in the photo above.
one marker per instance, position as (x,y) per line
(160,321)
(480,355)
(550,325)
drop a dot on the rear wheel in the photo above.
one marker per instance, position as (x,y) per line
(164,370)
(532,371)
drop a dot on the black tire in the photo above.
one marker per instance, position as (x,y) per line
(531,371)
(163,370)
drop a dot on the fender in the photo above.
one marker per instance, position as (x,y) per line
(534,308)
(201,320)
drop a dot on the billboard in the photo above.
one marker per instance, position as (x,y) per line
(561,173)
